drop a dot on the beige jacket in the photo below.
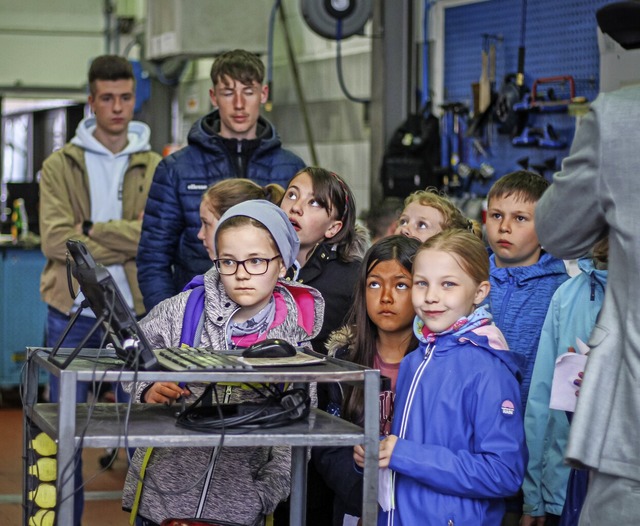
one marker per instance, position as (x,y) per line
(65,202)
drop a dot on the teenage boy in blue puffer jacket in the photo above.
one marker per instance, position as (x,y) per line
(234,140)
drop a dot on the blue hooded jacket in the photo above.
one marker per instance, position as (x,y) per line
(519,300)
(170,253)
(572,314)
(461,446)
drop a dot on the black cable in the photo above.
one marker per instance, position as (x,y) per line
(69,280)
(292,405)
(150,479)
(343,87)
(272,22)
(96,387)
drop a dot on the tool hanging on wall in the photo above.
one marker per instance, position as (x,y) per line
(513,89)
(550,94)
(484,91)
(488,74)
(548,165)
(454,143)
(539,137)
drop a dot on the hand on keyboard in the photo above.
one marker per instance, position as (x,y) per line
(165,393)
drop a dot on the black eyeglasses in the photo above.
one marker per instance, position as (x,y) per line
(253,266)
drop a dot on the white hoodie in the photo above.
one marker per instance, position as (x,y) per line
(106,171)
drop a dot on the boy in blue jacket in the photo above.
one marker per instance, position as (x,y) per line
(234,140)
(523,276)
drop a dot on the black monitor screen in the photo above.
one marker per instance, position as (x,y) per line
(107,303)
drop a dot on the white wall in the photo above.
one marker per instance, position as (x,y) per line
(340,132)
(49,43)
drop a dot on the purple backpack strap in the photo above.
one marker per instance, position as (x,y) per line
(193,312)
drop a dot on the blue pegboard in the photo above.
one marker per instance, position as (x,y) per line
(560,40)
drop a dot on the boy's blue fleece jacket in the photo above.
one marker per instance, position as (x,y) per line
(519,300)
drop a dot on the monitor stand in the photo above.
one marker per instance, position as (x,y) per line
(80,346)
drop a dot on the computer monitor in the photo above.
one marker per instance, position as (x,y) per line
(103,297)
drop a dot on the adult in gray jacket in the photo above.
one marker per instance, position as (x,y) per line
(596,193)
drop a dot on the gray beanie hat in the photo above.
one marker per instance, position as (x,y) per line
(275,221)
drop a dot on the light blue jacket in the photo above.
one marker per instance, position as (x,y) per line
(519,300)
(572,314)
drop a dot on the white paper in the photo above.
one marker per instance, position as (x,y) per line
(385,489)
(581,347)
(568,365)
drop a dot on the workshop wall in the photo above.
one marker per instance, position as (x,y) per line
(560,40)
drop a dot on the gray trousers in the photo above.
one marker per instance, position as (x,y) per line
(611,501)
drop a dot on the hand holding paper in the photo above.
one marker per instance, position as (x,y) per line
(568,366)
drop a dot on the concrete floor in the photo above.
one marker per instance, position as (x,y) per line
(102,493)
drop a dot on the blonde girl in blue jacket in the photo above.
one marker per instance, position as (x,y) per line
(456,448)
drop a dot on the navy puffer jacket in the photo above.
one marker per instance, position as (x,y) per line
(170,253)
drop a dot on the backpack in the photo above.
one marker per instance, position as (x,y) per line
(412,155)
(193,319)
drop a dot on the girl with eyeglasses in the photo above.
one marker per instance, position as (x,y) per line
(246,301)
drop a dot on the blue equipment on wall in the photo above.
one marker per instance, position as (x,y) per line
(143,84)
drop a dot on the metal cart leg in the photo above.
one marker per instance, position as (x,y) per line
(371,446)
(298,502)
(66,446)
(30,398)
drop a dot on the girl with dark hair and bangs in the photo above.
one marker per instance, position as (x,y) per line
(322,210)
(378,334)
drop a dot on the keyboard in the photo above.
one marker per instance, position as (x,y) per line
(197,359)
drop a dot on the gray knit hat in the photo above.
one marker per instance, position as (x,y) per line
(275,221)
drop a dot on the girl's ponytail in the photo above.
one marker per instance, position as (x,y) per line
(274,193)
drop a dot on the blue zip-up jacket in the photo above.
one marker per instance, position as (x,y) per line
(461,447)
(170,253)
(572,314)
(519,300)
